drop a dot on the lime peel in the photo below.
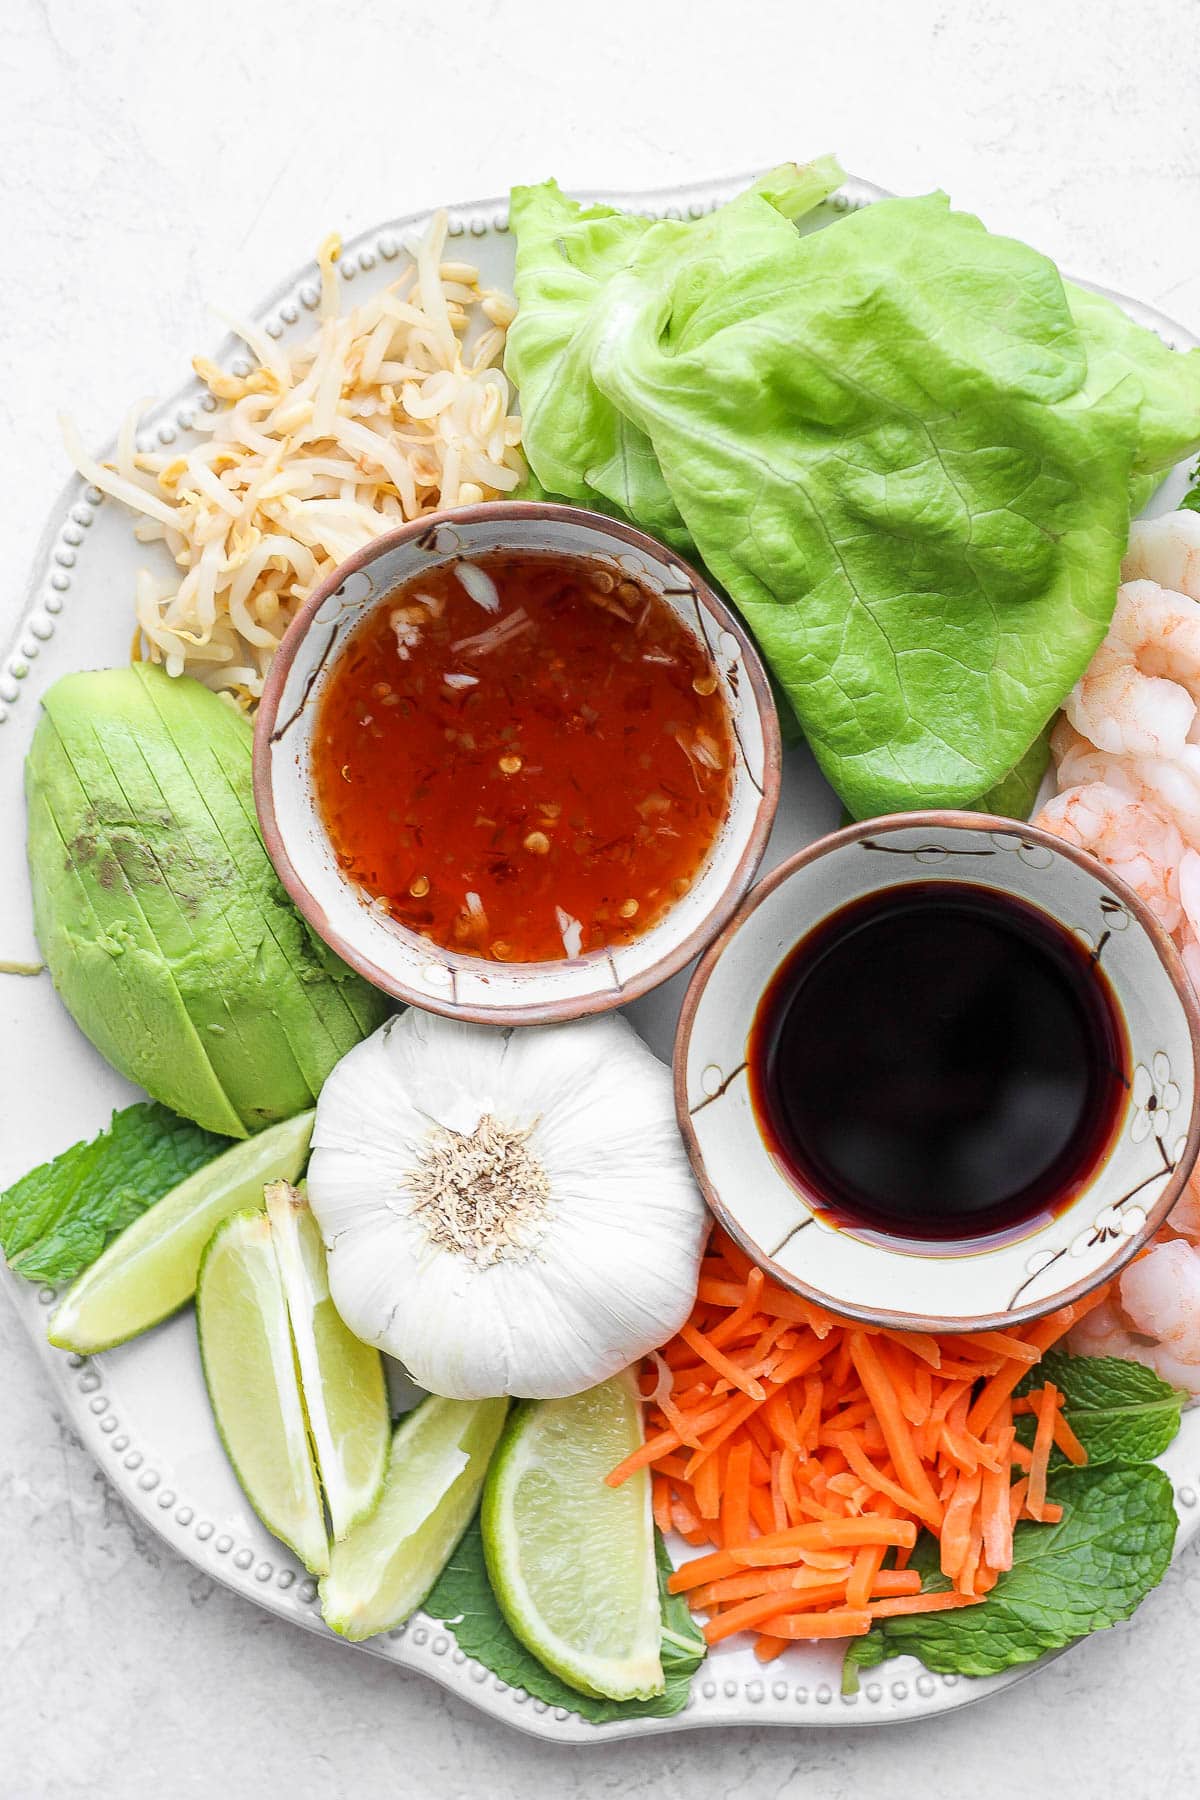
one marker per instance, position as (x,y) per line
(571,1560)
(342,1382)
(150,1270)
(253,1384)
(382,1572)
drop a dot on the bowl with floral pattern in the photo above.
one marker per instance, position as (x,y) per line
(968,1284)
(406,962)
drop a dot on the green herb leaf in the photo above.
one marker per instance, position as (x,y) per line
(1113,1545)
(1191,500)
(56,1220)
(1120,1411)
(463,1600)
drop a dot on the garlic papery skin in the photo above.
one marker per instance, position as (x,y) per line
(506,1211)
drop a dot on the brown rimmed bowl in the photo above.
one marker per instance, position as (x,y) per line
(398,960)
(942,1288)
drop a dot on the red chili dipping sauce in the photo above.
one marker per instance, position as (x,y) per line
(523,757)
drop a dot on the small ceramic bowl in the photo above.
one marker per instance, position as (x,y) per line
(942,1288)
(386,952)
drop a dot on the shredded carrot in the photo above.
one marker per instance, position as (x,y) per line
(735,1504)
(707,1489)
(993,1505)
(724,1365)
(920,1603)
(1003,1343)
(799,1453)
(1043,1443)
(1067,1442)
(823,1624)
(895,1428)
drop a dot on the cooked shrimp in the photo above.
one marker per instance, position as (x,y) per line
(1171,789)
(1184,1220)
(1103,1332)
(1078,762)
(1187,936)
(1135,841)
(1127,757)
(1136,696)
(1160,1298)
(1160,627)
(1166,550)
(1154,1317)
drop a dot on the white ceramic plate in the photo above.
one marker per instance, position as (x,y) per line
(142,1409)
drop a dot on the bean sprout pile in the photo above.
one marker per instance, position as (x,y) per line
(394,409)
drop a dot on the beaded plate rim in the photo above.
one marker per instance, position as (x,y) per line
(252,1563)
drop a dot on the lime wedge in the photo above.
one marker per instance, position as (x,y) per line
(150,1270)
(571,1560)
(342,1379)
(250,1368)
(385,1568)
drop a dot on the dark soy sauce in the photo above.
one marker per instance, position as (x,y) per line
(939,1062)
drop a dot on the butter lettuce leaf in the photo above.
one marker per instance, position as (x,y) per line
(56,1220)
(898,443)
(566,257)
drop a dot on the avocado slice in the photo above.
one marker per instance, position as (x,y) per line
(323,1007)
(190,921)
(101,955)
(167,931)
(347,1006)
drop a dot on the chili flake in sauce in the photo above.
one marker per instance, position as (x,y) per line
(523,757)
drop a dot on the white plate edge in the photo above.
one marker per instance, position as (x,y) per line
(907,1690)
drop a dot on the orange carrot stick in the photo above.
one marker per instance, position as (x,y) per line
(715,1292)
(1043,1442)
(956,1525)
(866,1471)
(1003,1343)
(1066,1440)
(995,1518)
(716,1359)
(895,1428)
(735,1504)
(820,1534)
(900,1367)
(777,1414)
(787,1486)
(707,1489)
(749,1613)
(920,1343)
(845,1623)
(920,1603)
(729,1328)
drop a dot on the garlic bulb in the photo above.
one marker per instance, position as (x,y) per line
(506,1212)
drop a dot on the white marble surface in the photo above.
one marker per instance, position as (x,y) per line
(154,156)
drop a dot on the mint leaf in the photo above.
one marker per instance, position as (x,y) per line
(463,1600)
(1120,1411)
(1113,1545)
(57,1219)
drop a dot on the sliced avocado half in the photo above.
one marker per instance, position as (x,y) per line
(166,929)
